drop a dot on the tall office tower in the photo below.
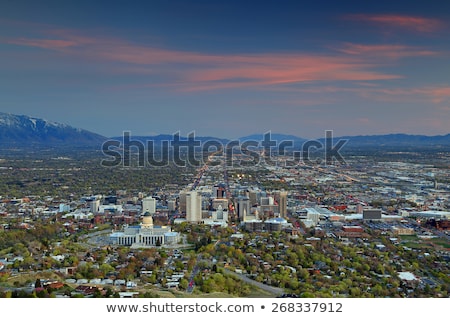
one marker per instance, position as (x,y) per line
(171,205)
(219,191)
(149,205)
(182,201)
(193,207)
(281,198)
(253,196)
(243,207)
(267,207)
(94,205)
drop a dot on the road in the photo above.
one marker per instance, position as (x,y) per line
(270,289)
(195,271)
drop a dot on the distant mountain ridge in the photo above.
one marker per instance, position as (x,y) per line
(273,136)
(360,141)
(396,140)
(22,130)
(158,139)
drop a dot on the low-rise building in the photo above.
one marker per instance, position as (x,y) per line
(145,235)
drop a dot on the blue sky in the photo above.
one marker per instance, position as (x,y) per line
(229,68)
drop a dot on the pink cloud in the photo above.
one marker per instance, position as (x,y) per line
(425,95)
(439,94)
(196,71)
(276,70)
(413,23)
(44,43)
(386,51)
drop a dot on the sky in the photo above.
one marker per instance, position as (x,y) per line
(229,68)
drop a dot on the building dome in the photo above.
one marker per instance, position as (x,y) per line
(147,220)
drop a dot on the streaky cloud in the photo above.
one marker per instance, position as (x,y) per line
(411,23)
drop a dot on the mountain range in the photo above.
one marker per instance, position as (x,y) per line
(23,131)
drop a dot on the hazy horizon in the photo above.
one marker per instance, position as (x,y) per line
(194,133)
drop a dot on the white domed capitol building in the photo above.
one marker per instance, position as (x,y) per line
(145,235)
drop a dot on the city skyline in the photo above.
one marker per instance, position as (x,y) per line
(228,69)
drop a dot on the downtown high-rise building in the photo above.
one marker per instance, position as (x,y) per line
(243,207)
(253,197)
(193,207)
(171,205)
(182,201)
(149,205)
(281,198)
